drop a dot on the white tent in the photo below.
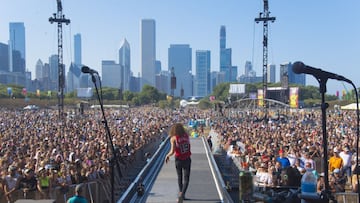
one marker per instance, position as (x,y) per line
(184,103)
(349,107)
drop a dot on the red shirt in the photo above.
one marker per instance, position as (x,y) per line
(182,147)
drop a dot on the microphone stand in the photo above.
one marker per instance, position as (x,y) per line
(325,195)
(114,157)
(324,106)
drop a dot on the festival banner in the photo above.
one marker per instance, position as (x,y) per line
(294,97)
(260,97)
(252,95)
(84,92)
(9,91)
(343,94)
(237,89)
(24,91)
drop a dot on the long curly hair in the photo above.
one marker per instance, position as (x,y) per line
(177,129)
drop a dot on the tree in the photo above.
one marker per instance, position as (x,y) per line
(253,87)
(221,91)
(128,96)
(309,92)
(149,94)
(136,101)
(164,104)
(72,94)
(110,93)
(204,104)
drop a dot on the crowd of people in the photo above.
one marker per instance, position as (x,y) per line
(269,147)
(39,152)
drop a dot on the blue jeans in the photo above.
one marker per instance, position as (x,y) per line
(347,171)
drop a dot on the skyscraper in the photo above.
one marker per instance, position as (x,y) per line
(74,72)
(77,49)
(46,73)
(222,37)
(4,57)
(124,61)
(54,71)
(286,69)
(73,77)
(225,58)
(148,52)
(179,57)
(157,67)
(17,47)
(46,83)
(110,74)
(233,73)
(162,81)
(271,73)
(202,81)
(216,78)
(248,68)
(39,69)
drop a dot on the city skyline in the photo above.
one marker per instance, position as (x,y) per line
(321,33)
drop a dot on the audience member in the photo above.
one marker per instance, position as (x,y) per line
(337,181)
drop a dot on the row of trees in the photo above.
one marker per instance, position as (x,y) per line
(150,95)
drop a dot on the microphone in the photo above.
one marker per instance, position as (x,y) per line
(299,68)
(86,69)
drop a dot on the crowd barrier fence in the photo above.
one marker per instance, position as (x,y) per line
(93,191)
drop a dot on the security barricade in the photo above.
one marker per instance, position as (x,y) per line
(347,197)
(93,191)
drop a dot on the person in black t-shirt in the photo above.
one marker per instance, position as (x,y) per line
(28,184)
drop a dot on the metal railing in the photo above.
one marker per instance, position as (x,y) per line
(147,175)
(347,197)
(220,185)
(94,193)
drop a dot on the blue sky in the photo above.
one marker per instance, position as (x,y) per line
(321,33)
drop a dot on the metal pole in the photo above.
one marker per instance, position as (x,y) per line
(59,18)
(264,17)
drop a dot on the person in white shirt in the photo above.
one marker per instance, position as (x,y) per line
(298,165)
(346,156)
(263,177)
(292,157)
(306,158)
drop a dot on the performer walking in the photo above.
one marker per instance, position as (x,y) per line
(180,146)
